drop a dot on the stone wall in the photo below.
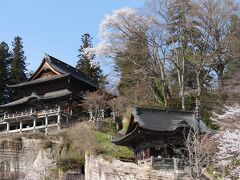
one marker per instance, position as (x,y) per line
(25,158)
(99,169)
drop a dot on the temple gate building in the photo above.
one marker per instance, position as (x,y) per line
(50,99)
(155,134)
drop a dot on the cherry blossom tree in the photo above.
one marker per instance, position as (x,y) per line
(228,155)
(115,32)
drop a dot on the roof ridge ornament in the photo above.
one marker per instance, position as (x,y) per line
(47,56)
(34,94)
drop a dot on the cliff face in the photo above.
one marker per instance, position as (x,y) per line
(99,169)
(25,159)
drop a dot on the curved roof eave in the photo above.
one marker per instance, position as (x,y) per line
(36,81)
(46,96)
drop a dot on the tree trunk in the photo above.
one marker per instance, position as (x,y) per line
(163,79)
(220,81)
(198,102)
(183,85)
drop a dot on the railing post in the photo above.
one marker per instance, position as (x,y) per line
(152,160)
(34,124)
(46,124)
(20,126)
(59,121)
(7,127)
(175,164)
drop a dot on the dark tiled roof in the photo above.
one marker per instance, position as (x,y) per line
(67,69)
(36,81)
(166,120)
(50,95)
(61,67)
(157,120)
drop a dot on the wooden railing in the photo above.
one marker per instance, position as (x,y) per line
(165,163)
(47,111)
(18,114)
(161,163)
(1,118)
(29,113)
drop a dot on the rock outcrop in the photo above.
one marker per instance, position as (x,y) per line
(25,158)
(99,169)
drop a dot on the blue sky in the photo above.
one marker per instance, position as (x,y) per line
(55,26)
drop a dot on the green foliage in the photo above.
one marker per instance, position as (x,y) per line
(70,157)
(67,140)
(4,71)
(206,117)
(131,64)
(86,62)
(18,66)
(109,150)
(80,139)
(109,127)
(236,162)
(190,103)
(72,161)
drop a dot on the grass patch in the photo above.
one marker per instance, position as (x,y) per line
(109,150)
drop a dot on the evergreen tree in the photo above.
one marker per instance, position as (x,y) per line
(18,65)
(132,63)
(4,71)
(86,62)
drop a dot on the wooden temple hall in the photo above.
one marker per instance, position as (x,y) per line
(50,99)
(156,134)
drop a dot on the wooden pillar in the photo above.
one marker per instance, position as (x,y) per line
(67,119)
(8,127)
(46,124)
(59,121)
(34,124)
(148,152)
(175,164)
(20,126)
(165,150)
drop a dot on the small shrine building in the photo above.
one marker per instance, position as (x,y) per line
(154,134)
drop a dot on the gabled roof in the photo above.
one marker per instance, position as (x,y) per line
(157,120)
(60,68)
(166,120)
(50,95)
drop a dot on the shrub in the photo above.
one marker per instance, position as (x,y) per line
(47,144)
(70,162)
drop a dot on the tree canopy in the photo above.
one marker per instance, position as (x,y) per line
(86,62)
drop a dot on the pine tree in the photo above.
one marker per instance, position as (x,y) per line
(86,62)
(18,65)
(4,71)
(134,84)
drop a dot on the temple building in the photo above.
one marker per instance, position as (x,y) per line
(50,99)
(155,134)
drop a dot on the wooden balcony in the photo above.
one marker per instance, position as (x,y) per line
(33,128)
(48,111)
(16,115)
(31,113)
